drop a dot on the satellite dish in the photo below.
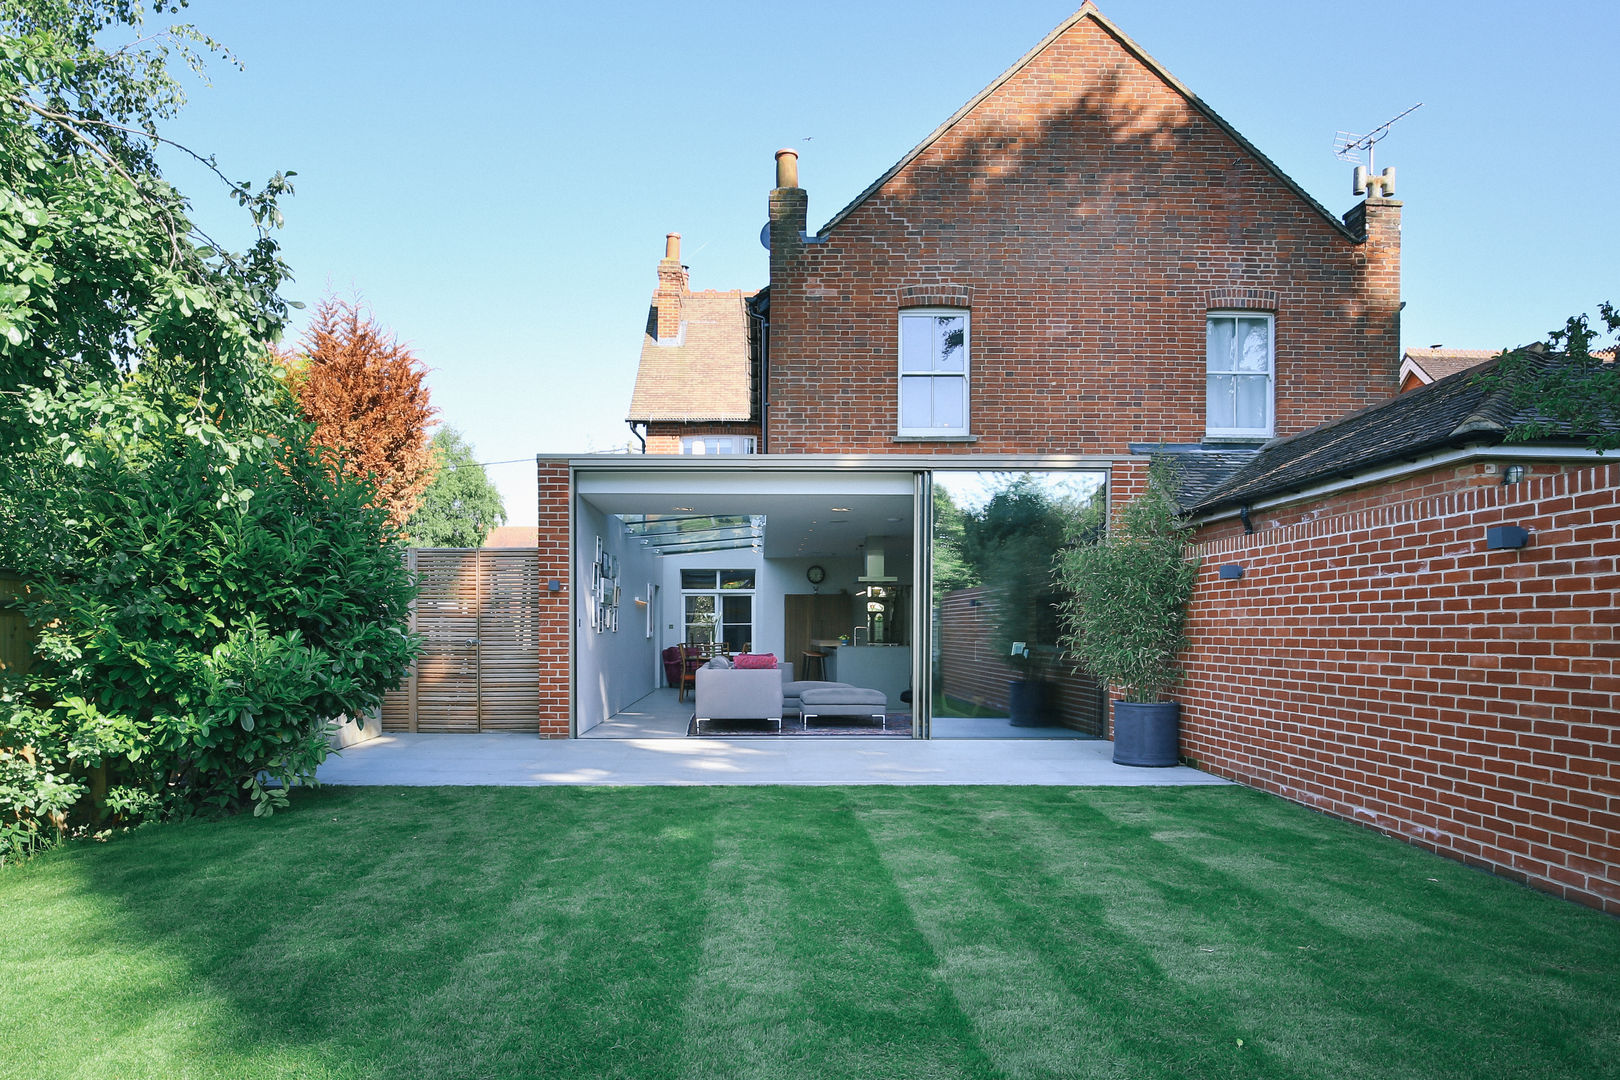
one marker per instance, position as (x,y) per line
(765,236)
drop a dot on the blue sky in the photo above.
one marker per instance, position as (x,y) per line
(495,179)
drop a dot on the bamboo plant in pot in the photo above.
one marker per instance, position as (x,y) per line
(1124,614)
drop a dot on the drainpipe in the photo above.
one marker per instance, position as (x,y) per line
(638,435)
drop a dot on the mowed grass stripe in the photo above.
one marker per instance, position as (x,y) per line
(1138,928)
(1372,951)
(791,932)
(579,960)
(1261,952)
(811,966)
(1025,1014)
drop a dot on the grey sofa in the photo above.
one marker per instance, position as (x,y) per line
(752,694)
(729,694)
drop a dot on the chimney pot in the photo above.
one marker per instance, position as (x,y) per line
(672,247)
(787,168)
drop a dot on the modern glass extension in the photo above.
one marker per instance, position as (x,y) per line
(923,582)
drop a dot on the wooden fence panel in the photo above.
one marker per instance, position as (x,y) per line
(509,639)
(478,613)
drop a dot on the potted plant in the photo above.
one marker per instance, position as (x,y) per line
(1125,611)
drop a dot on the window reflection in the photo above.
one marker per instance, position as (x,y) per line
(997,671)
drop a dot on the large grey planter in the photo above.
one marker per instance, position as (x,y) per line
(1148,735)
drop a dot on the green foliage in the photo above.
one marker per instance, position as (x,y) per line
(461,506)
(1580,393)
(1009,546)
(1126,590)
(204,605)
(951,570)
(100,269)
(207,595)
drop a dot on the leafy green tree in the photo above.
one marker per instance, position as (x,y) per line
(1572,391)
(1009,545)
(206,592)
(461,506)
(951,571)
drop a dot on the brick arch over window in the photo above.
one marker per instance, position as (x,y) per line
(936,295)
(1230,299)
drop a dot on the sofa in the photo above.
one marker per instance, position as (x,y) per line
(752,693)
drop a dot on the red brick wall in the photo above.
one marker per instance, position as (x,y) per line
(1091,216)
(664,437)
(1376,662)
(555,677)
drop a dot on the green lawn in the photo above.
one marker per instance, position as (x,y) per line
(792,932)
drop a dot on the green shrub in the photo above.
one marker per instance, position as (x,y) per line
(205,605)
(1127,587)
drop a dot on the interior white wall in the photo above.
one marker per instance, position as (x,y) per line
(613,669)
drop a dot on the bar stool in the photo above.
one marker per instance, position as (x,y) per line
(809,657)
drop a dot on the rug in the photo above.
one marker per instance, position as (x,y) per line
(899,727)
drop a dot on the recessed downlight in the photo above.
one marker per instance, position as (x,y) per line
(688,509)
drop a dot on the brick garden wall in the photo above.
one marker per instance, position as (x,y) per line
(1376,662)
(1089,217)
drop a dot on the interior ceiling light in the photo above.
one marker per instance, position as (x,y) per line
(688,509)
(840,509)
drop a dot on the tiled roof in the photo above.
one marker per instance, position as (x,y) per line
(703,375)
(1461,409)
(1438,363)
(1198,470)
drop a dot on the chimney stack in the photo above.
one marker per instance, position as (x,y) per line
(1376,223)
(672,288)
(787,168)
(789,208)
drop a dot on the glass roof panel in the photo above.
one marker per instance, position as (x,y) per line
(669,534)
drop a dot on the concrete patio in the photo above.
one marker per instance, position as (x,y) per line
(523,760)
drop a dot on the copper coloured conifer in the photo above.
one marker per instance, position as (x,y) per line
(366,394)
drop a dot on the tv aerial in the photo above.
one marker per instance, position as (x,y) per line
(1347,147)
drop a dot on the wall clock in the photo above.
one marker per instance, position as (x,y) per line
(816,575)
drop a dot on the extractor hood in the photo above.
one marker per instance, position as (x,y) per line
(874,562)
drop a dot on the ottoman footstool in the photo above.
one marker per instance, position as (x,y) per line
(843,701)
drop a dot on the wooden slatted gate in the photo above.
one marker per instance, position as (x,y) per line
(478,611)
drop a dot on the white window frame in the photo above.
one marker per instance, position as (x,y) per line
(717,631)
(966,374)
(1271,375)
(700,444)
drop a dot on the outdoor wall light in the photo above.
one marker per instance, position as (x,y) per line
(1231,572)
(1512,474)
(1501,537)
(553,585)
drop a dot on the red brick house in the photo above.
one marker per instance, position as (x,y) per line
(1082,267)
(1085,264)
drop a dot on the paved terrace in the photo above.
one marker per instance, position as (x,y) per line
(524,760)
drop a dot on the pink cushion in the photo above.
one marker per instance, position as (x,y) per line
(754,660)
